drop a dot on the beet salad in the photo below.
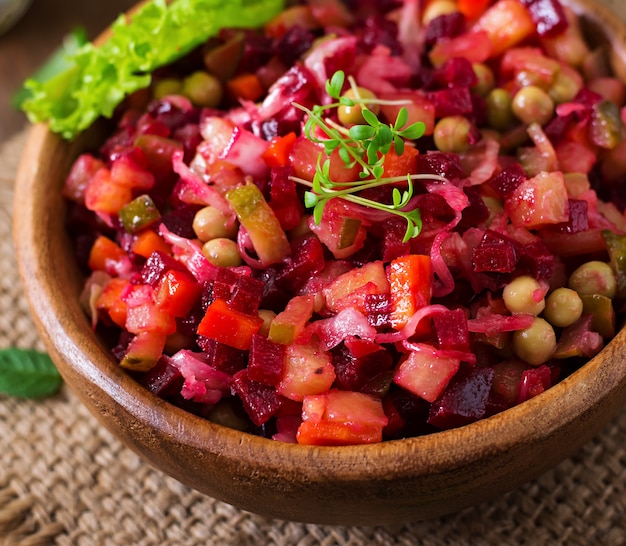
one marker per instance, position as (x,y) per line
(363,221)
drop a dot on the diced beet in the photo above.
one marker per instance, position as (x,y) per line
(378,309)
(246,295)
(409,413)
(222,357)
(265,362)
(275,297)
(171,114)
(495,253)
(444,164)
(451,102)
(260,401)
(157,264)
(258,49)
(392,246)
(508,179)
(284,199)
(578,218)
(477,212)
(556,128)
(164,379)
(190,137)
(307,260)
(451,329)
(214,290)
(548,16)
(180,220)
(378,30)
(448,25)
(454,73)
(369,373)
(464,400)
(293,43)
(536,260)
(533,382)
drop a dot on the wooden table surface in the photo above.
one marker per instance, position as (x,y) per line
(36,36)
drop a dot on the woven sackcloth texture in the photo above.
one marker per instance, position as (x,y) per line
(66,481)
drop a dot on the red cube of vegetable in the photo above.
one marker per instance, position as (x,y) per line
(266,361)
(426,375)
(228,326)
(340,418)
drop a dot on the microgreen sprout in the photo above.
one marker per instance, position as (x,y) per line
(365,145)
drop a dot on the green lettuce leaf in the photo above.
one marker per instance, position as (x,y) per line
(158,33)
(27,373)
(57,63)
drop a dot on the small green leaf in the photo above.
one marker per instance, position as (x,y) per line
(310,199)
(378,171)
(398,144)
(335,85)
(318,211)
(402,118)
(330,145)
(397,198)
(385,135)
(346,101)
(344,154)
(413,132)
(27,373)
(326,169)
(370,117)
(362,132)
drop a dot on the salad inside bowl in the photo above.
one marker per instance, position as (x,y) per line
(363,223)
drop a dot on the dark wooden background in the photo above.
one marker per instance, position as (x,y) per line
(25,46)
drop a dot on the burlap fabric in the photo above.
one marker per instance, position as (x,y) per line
(66,481)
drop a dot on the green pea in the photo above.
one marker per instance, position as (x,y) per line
(203,89)
(222,252)
(211,223)
(352,115)
(535,344)
(594,277)
(499,113)
(452,134)
(532,104)
(563,307)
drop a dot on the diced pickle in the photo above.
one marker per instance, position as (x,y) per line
(616,245)
(601,308)
(256,216)
(605,127)
(139,214)
(349,230)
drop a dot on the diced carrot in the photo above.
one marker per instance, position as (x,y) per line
(110,300)
(277,154)
(246,87)
(177,292)
(472,9)
(149,241)
(401,165)
(104,251)
(411,287)
(225,325)
(506,23)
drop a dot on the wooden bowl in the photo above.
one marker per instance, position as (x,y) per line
(385,483)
